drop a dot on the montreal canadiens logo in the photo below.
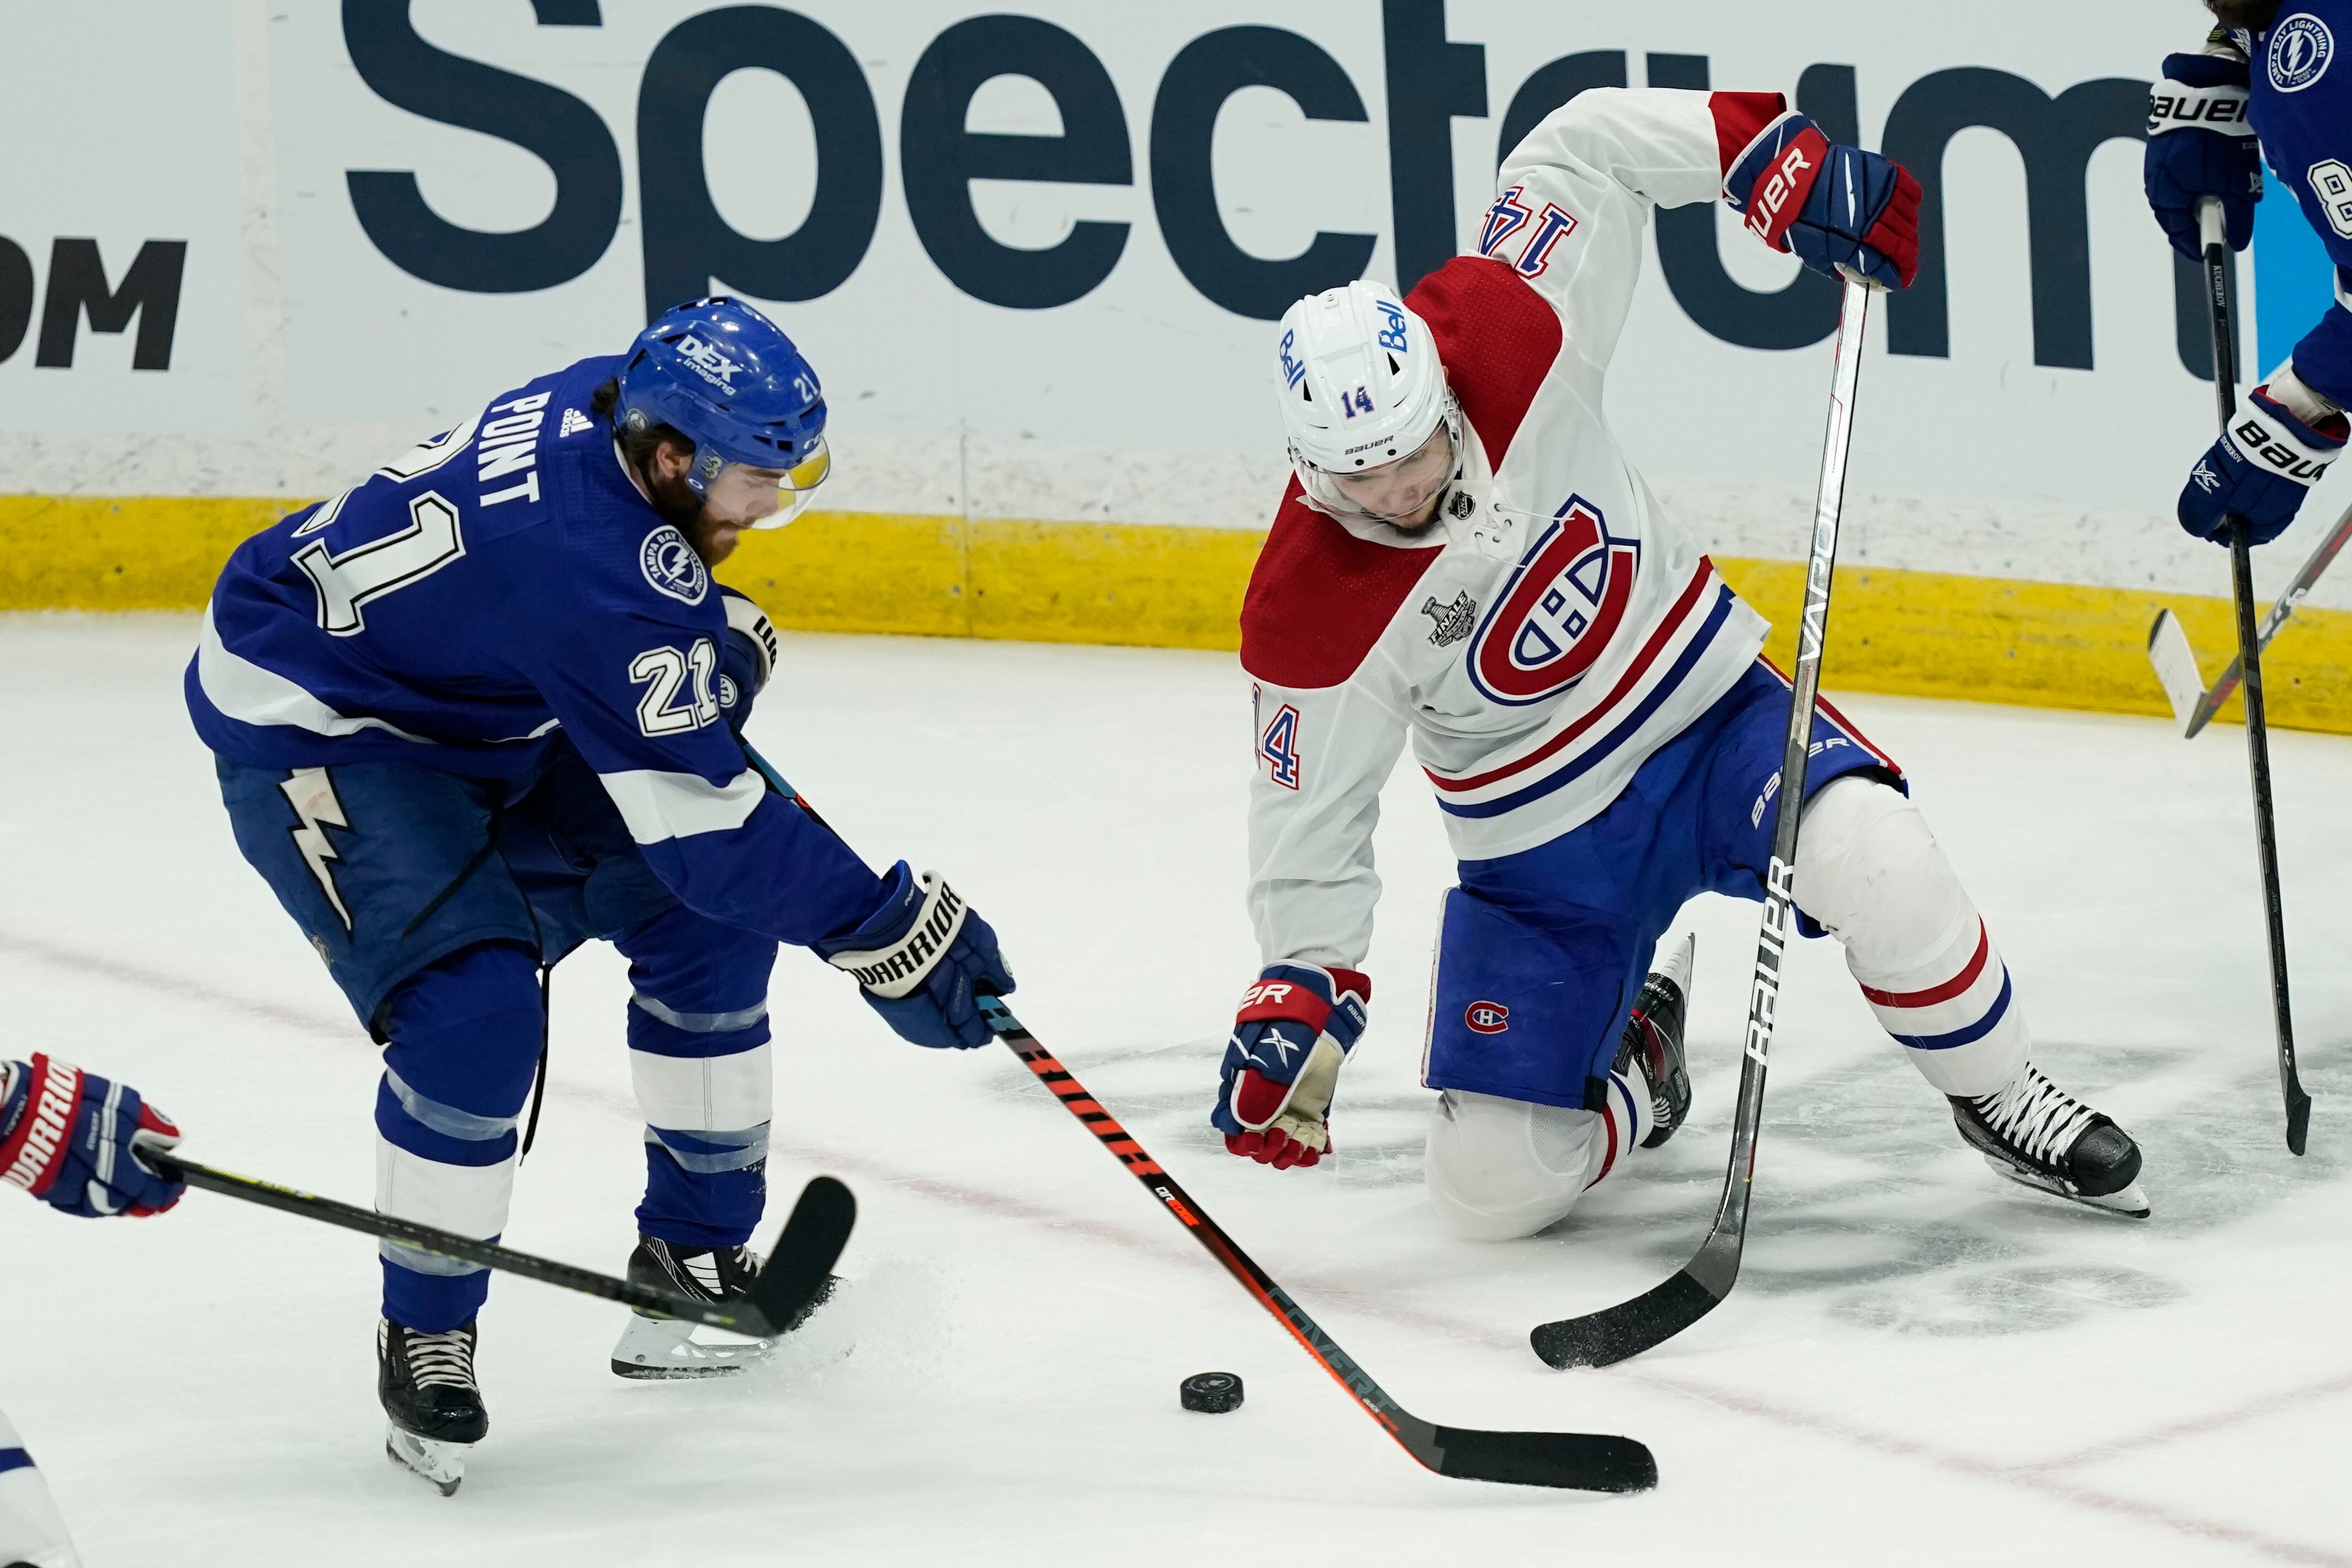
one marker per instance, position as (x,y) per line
(2301,48)
(1486,1018)
(1559,611)
(673,566)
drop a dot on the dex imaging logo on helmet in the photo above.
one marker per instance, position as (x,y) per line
(2301,48)
(709,363)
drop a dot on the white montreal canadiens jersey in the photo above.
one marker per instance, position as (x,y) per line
(1554,627)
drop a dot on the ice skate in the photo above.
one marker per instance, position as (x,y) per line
(427,1383)
(652,1347)
(1654,1037)
(2034,1132)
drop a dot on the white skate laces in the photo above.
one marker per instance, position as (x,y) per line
(2040,1119)
(444,1360)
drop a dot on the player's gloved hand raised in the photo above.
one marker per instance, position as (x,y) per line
(1296,1027)
(2260,471)
(923,959)
(72,1139)
(2201,149)
(1833,207)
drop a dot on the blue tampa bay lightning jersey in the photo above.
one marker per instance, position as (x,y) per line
(500,582)
(2300,105)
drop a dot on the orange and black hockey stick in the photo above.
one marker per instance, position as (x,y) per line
(1577,1460)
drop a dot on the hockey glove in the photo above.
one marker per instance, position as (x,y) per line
(1833,207)
(2199,147)
(71,1139)
(747,659)
(923,957)
(2260,471)
(1296,1027)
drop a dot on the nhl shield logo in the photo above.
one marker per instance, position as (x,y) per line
(1559,610)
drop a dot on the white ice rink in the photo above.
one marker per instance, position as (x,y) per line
(1922,1363)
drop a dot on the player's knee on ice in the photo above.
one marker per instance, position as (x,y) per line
(1869,869)
(1499,1169)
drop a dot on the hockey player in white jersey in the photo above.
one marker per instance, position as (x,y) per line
(1465,557)
(71,1139)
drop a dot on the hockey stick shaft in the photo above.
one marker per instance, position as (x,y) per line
(2297,1104)
(1634,1326)
(449,1244)
(2226,686)
(1576,1461)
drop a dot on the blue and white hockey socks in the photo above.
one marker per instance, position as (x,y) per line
(1870,869)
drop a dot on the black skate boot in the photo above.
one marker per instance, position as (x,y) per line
(665,1347)
(427,1383)
(2032,1131)
(1653,1037)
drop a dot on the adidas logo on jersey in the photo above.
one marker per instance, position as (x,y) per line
(574,421)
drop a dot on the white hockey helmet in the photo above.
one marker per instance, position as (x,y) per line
(1361,387)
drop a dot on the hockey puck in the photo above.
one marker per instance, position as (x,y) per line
(1214,1392)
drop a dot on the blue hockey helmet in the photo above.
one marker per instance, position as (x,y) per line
(727,379)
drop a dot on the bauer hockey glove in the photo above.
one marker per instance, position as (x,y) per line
(746,661)
(923,959)
(2260,471)
(71,1139)
(1296,1027)
(1830,206)
(2199,147)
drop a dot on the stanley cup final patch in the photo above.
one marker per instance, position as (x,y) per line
(674,566)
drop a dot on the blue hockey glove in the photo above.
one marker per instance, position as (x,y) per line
(2199,147)
(746,661)
(71,1139)
(923,958)
(1833,207)
(2260,471)
(1295,1029)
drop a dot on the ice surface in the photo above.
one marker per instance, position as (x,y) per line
(1922,1363)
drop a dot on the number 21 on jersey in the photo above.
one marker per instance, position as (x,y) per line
(1277,740)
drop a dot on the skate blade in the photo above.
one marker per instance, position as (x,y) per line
(1677,966)
(652,1348)
(443,1464)
(2130,1201)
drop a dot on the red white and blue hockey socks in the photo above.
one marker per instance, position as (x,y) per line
(1870,869)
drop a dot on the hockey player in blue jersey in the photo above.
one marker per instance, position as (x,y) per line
(2265,85)
(484,706)
(71,1139)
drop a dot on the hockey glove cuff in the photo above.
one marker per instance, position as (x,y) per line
(1296,1027)
(2201,148)
(1837,209)
(71,1139)
(923,959)
(746,660)
(2261,470)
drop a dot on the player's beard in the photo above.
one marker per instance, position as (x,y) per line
(2252,15)
(680,507)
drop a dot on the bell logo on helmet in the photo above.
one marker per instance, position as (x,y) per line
(1392,337)
(1559,612)
(709,362)
(1293,372)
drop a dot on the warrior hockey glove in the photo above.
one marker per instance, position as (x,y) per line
(1297,1025)
(71,1139)
(2260,471)
(2199,147)
(923,957)
(747,660)
(1831,206)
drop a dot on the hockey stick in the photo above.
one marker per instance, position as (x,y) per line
(1576,1461)
(1657,1315)
(2193,703)
(792,1279)
(2249,659)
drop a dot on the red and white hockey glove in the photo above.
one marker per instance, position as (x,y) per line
(1296,1027)
(71,1139)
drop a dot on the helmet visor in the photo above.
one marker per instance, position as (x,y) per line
(1399,491)
(798,484)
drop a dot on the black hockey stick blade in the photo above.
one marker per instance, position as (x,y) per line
(1618,1332)
(799,1272)
(1575,1461)
(2298,1118)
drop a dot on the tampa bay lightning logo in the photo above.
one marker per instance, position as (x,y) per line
(1559,612)
(673,566)
(2301,48)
